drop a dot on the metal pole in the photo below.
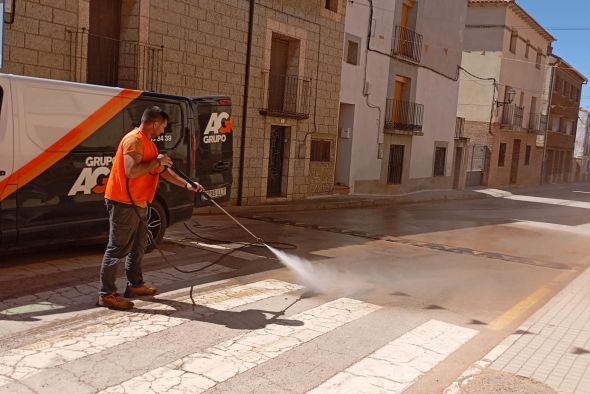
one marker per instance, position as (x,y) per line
(543,164)
(245,104)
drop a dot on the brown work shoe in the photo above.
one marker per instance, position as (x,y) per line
(140,291)
(114,301)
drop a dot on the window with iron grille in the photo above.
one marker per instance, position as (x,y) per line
(396,163)
(352,52)
(527,155)
(320,150)
(502,155)
(332,5)
(538,60)
(513,40)
(439,161)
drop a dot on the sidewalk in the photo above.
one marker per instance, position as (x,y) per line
(369,200)
(552,348)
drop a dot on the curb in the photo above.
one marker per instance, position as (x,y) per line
(352,202)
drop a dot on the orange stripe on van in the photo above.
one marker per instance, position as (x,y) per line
(64,145)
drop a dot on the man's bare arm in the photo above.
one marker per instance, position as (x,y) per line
(173,178)
(135,168)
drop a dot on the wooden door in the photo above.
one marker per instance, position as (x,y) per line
(515,162)
(279,53)
(103,42)
(399,95)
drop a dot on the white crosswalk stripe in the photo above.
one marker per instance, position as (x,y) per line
(22,362)
(201,371)
(397,365)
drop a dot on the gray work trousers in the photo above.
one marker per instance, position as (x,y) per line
(128,236)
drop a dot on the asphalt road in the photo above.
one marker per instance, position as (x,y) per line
(439,283)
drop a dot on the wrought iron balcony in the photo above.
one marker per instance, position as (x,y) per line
(404,116)
(286,96)
(537,123)
(512,116)
(106,61)
(460,128)
(407,44)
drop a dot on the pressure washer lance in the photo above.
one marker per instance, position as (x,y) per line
(193,184)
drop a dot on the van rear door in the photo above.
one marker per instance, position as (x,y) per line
(213,148)
(7,189)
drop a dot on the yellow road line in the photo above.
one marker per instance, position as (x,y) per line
(523,306)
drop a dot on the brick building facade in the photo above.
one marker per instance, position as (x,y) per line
(565,93)
(199,48)
(505,56)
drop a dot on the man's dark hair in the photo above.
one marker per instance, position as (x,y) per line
(153,114)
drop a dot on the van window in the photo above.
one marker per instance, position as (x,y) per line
(106,138)
(173,135)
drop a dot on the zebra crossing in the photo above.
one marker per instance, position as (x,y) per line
(391,368)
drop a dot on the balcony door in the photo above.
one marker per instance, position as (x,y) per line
(103,42)
(400,93)
(405,38)
(279,55)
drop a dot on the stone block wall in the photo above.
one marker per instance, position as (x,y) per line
(38,42)
(205,44)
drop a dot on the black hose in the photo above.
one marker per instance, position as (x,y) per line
(272,244)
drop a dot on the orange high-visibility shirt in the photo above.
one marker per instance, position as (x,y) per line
(142,188)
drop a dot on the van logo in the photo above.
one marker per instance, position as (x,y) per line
(93,178)
(219,125)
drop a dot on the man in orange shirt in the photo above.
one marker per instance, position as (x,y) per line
(133,181)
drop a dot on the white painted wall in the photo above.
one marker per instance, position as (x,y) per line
(475,95)
(582,133)
(368,127)
(442,24)
(439,96)
(487,54)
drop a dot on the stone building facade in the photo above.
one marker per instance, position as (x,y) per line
(582,147)
(565,90)
(502,83)
(199,48)
(401,58)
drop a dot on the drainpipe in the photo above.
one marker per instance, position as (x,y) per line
(245,103)
(543,164)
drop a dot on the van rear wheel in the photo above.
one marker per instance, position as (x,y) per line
(157,223)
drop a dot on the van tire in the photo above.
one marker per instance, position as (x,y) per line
(157,223)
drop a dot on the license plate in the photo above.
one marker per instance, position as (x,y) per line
(216,193)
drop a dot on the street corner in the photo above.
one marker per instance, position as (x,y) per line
(491,381)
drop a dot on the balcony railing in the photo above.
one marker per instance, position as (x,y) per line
(286,95)
(407,44)
(110,62)
(512,116)
(537,123)
(403,115)
(460,128)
